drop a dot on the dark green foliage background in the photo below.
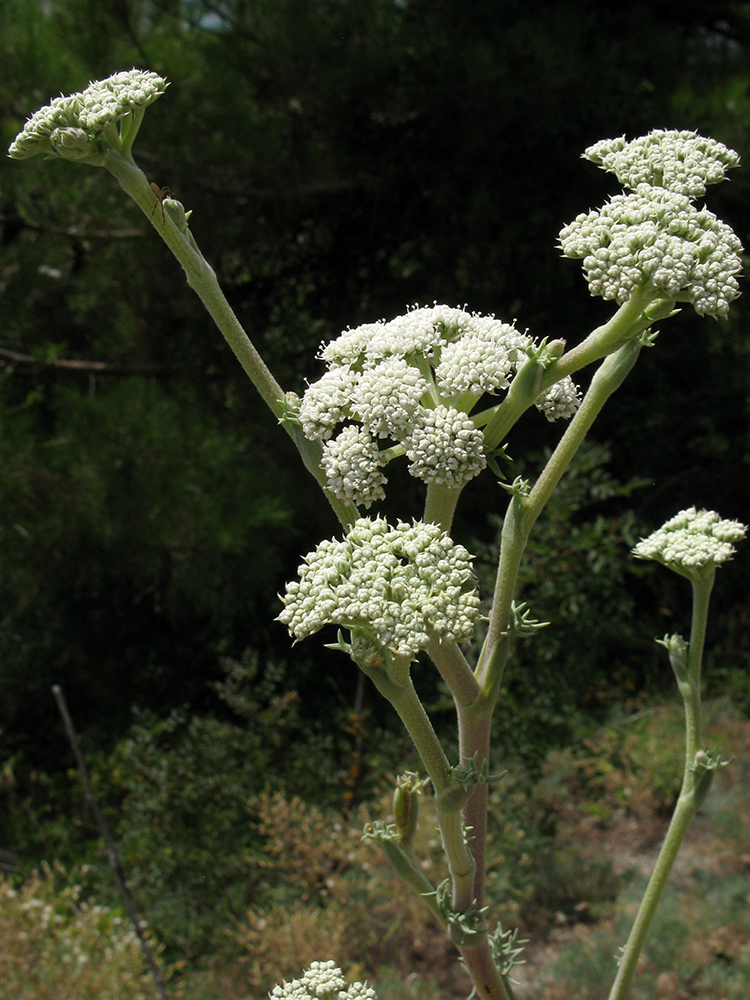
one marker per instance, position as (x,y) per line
(342,158)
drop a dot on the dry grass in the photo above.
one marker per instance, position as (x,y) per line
(57,945)
(337,898)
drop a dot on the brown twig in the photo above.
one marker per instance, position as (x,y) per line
(69,364)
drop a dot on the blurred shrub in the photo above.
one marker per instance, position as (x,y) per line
(634,763)
(185,794)
(329,894)
(57,944)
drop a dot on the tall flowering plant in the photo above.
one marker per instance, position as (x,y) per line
(441,388)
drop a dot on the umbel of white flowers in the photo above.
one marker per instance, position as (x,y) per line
(654,239)
(693,543)
(322,981)
(82,127)
(395,588)
(414,380)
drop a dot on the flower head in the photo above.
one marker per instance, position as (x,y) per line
(322,981)
(398,587)
(483,360)
(445,447)
(683,162)
(82,126)
(418,332)
(326,403)
(560,401)
(693,543)
(654,240)
(413,380)
(352,464)
(387,396)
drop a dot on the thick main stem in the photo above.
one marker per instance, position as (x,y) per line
(483,971)
(474,731)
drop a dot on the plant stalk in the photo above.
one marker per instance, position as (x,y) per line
(687,803)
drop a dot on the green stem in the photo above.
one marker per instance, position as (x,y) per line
(496,647)
(474,725)
(454,669)
(200,276)
(440,505)
(202,279)
(129,127)
(608,377)
(701,597)
(687,805)
(524,390)
(681,818)
(396,685)
(408,871)
(630,320)
(523,510)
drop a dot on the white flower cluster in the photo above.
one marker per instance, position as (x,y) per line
(444,446)
(400,586)
(560,401)
(322,981)
(693,542)
(70,126)
(683,162)
(413,381)
(654,239)
(352,464)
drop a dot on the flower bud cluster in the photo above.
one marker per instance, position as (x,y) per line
(414,381)
(560,401)
(322,981)
(397,586)
(683,162)
(444,446)
(654,239)
(352,464)
(692,543)
(73,126)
